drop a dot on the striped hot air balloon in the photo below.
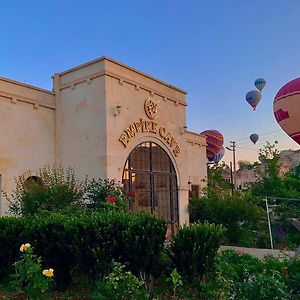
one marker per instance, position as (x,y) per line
(286,108)
(219,156)
(214,143)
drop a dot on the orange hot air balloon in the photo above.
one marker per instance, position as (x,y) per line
(287,109)
(214,143)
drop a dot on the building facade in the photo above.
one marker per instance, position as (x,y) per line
(105,120)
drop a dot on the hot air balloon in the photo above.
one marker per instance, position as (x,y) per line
(254,138)
(214,143)
(219,156)
(286,108)
(253,98)
(260,83)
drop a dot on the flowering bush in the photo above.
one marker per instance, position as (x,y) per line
(85,244)
(101,193)
(29,277)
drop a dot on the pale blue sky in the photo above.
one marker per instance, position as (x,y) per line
(212,49)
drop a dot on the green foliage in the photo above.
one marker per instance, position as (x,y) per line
(98,191)
(270,182)
(176,280)
(194,248)
(121,284)
(246,165)
(264,286)
(28,277)
(242,276)
(85,244)
(237,213)
(55,189)
(216,182)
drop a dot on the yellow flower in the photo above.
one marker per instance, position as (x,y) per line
(25,247)
(48,273)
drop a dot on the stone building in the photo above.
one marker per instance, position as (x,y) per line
(107,120)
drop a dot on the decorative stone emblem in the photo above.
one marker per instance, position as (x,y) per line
(151,108)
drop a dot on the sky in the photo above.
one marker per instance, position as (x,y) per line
(214,50)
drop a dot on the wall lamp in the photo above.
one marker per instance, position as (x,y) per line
(117,110)
(183,129)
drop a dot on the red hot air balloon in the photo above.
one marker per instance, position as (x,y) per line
(254,138)
(286,108)
(214,142)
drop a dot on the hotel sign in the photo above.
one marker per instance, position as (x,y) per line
(151,110)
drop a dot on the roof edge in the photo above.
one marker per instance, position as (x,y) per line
(122,65)
(26,85)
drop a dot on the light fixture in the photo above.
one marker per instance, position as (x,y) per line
(117,110)
(183,129)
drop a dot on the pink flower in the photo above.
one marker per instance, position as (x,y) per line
(111,200)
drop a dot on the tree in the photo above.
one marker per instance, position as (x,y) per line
(215,179)
(217,205)
(270,183)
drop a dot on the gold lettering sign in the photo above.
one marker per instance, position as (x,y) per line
(149,126)
(151,108)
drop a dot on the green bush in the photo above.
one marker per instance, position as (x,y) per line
(242,276)
(53,189)
(194,248)
(237,213)
(121,284)
(58,190)
(85,244)
(99,191)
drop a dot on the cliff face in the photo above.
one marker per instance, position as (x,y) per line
(288,160)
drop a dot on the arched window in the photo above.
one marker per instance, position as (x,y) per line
(150,178)
(31,182)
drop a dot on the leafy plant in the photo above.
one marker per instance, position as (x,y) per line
(247,277)
(235,212)
(103,192)
(194,248)
(121,284)
(176,280)
(53,189)
(29,277)
(264,286)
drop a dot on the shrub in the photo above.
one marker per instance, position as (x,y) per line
(53,189)
(102,191)
(264,286)
(121,284)
(237,213)
(194,248)
(242,276)
(85,244)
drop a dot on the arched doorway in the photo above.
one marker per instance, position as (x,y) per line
(150,178)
